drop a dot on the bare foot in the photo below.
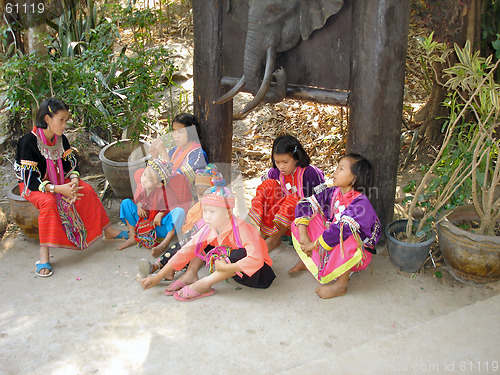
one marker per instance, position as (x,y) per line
(158,250)
(300,266)
(331,290)
(127,243)
(110,232)
(273,242)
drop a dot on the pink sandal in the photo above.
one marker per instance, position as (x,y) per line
(189,294)
(174,287)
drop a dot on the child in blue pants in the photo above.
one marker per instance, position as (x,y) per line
(154,212)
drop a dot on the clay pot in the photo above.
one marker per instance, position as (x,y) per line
(408,256)
(471,258)
(24,213)
(120,160)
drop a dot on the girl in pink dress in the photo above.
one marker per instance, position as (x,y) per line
(335,231)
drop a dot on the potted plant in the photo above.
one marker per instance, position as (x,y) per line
(464,156)
(469,234)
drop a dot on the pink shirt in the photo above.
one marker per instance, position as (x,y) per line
(255,246)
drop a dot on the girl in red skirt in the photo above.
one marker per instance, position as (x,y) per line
(290,179)
(70,212)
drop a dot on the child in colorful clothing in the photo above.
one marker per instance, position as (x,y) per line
(231,247)
(71,214)
(154,212)
(335,231)
(194,221)
(187,156)
(290,179)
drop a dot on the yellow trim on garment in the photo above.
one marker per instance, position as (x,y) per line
(311,266)
(323,244)
(304,220)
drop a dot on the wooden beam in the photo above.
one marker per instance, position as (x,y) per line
(305,93)
(380,39)
(215,120)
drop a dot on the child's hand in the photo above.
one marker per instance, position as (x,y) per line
(157,219)
(150,281)
(141,212)
(307,247)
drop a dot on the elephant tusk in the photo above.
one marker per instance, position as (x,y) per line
(266,82)
(231,93)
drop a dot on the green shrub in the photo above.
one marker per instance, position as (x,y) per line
(111,90)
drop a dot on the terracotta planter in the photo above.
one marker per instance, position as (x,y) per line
(24,213)
(120,160)
(471,258)
(408,256)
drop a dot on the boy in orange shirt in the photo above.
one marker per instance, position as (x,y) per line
(231,247)
(194,221)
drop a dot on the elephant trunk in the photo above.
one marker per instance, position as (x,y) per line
(264,87)
(259,47)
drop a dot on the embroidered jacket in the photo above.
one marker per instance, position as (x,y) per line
(358,214)
(313,179)
(188,164)
(30,165)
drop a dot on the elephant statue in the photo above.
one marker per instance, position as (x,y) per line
(274,26)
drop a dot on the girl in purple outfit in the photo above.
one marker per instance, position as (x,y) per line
(335,231)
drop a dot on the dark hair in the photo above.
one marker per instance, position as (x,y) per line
(288,144)
(187,120)
(362,170)
(49,106)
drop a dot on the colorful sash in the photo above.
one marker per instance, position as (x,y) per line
(71,220)
(298,182)
(145,233)
(219,252)
(179,156)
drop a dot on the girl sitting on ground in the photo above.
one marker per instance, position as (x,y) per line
(187,156)
(290,179)
(335,231)
(154,212)
(194,221)
(230,247)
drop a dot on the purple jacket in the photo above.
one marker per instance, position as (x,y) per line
(359,213)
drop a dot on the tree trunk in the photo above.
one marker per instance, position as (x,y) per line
(453,23)
(35,42)
(431,115)
(376,93)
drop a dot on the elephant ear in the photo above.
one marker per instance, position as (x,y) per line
(314,13)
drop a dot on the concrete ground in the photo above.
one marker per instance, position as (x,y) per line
(92,317)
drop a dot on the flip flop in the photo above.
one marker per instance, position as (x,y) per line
(123,235)
(189,294)
(174,287)
(41,266)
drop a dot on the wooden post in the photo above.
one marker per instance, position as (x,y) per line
(379,42)
(215,120)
